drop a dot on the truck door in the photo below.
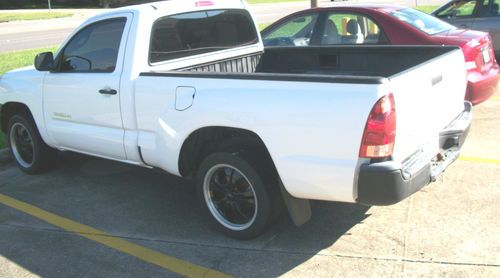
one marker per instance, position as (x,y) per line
(82,94)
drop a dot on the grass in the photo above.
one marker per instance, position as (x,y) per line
(6,17)
(17,59)
(426,9)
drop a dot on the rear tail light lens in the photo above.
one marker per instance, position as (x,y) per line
(478,53)
(380,130)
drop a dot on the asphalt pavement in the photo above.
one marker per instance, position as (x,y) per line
(95,218)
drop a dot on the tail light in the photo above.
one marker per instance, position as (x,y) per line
(478,53)
(380,130)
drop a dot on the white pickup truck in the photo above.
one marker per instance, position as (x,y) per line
(187,87)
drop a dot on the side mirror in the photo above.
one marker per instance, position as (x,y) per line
(44,61)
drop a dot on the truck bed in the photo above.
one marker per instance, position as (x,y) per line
(345,61)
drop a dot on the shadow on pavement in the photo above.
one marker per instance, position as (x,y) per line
(151,208)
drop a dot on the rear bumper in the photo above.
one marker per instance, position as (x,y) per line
(386,183)
(481,86)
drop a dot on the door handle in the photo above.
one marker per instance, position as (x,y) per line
(107,92)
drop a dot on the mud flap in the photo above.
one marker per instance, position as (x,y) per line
(299,209)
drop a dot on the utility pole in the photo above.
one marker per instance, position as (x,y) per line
(50,6)
(314,3)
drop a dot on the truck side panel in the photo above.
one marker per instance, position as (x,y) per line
(307,127)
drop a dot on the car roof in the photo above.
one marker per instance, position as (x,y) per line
(381,7)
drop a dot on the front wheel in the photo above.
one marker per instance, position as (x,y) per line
(237,195)
(31,154)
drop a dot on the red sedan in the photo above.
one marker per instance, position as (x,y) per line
(389,24)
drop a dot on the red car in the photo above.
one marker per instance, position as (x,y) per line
(348,24)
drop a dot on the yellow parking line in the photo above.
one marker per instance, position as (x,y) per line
(173,264)
(480,159)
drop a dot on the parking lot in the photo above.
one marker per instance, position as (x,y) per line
(91,217)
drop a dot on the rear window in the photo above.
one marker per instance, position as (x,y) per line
(422,21)
(194,33)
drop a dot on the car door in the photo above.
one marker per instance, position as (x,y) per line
(488,20)
(82,93)
(461,13)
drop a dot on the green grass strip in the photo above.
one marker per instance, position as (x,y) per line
(6,17)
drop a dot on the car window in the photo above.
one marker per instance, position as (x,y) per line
(422,21)
(94,48)
(463,8)
(494,8)
(348,28)
(193,33)
(296,31)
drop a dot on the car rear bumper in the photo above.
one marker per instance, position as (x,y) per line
(481,86)
(386,183)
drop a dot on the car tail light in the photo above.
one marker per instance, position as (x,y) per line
(380,130)
(478,53)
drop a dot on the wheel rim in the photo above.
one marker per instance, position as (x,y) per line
(22,145)
(230,197)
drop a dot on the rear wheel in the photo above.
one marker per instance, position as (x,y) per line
(238,196)
(31,154)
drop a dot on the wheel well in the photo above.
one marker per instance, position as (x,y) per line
(12,108)
(207,140)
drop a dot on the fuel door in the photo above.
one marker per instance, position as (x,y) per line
(184,97)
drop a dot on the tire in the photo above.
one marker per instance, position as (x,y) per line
(30,152)
(238,197)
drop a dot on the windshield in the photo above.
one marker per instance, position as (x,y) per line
(422,21)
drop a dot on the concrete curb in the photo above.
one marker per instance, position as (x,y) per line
(5,155)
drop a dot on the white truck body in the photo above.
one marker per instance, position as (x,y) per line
(312,126)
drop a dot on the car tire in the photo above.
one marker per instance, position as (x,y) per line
(236,194)
(28,149)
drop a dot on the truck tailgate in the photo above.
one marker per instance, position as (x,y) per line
(428,97)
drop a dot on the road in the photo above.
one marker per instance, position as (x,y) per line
(41,33)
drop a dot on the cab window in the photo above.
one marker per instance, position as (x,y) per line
(194,33)
(94,48)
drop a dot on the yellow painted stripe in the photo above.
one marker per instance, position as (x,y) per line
(480,159)
(171,263)
(495,98)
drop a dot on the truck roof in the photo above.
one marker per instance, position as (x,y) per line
(171,7)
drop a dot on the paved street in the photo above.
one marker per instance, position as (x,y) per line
(40,33)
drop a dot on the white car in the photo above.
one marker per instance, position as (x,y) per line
(187,87)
